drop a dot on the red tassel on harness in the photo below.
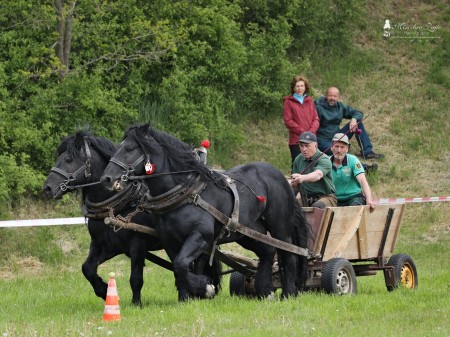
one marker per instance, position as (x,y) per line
(149,168)
(205,143)
(260,198)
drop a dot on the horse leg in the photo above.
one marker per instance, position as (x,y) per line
(187,282)
(214,271)
(280,218)
(137,256)
(89,268)
(263,278)
(287,263)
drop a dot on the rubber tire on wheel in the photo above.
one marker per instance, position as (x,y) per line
(237,284)
(405,272)
(338,277)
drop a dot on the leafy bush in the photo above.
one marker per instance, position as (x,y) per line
(193,68)
(18,178)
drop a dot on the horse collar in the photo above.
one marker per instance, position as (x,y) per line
(117,202)
(176,196)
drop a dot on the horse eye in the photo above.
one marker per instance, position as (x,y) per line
(69,159)
(129,148)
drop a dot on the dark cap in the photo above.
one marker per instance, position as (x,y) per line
(307,137)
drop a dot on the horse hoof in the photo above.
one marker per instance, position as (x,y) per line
(271,297)
(210,291)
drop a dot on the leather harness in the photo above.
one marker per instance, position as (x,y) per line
(191,193)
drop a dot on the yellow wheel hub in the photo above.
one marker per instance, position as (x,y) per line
(407,276)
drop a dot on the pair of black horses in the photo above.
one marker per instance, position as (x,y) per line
(186,231)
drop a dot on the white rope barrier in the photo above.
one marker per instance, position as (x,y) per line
(43,222)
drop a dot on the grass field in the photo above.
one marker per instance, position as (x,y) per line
(55,300)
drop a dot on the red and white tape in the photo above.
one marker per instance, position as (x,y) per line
(410,200)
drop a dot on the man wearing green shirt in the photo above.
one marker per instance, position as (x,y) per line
(312,174)
(352,188)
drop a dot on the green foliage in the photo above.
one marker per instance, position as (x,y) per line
(196,69)
(18,179)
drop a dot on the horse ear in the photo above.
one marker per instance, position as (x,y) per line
(144,128)
(79,141)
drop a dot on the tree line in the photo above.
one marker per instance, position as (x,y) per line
(190,67)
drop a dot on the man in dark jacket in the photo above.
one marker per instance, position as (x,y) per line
(331,112)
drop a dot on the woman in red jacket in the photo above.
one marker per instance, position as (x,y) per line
(299,113)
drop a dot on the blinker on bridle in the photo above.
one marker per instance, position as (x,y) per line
(86,167)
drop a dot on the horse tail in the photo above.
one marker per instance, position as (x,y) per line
(302,233)
(214,272)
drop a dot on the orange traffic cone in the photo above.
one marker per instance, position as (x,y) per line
(112,309)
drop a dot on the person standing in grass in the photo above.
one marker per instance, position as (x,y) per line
(312,174)
(299,113)
(331,113)
(352,188)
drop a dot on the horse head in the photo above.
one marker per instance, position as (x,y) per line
(143,152)
(81,160)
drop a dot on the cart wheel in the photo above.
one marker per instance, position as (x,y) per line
(338,277)
(405,272)
(237,284)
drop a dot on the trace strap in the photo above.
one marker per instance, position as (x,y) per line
(234,226)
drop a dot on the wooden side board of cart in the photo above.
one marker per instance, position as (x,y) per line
(350,241)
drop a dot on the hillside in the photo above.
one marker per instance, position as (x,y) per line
(393,81)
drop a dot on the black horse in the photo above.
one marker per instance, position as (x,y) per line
(266,203)
(82,159)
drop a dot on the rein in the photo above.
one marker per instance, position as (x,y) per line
(129,169)
(155,175)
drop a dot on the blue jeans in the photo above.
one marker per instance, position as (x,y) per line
(363,140)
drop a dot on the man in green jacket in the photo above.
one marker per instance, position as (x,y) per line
(312,174)
(352,188)
(331,112)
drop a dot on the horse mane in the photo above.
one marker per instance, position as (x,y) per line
(179,154)
(73,144)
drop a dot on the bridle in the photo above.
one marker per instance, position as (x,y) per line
(86,167)
(129,168)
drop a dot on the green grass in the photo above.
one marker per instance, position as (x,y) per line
(57,303)
(56,300)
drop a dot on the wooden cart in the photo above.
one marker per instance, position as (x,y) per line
(350,241)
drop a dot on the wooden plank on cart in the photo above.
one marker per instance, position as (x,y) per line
(356,233)
(361,235)
(345,224)
(375,224)
(314,217)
